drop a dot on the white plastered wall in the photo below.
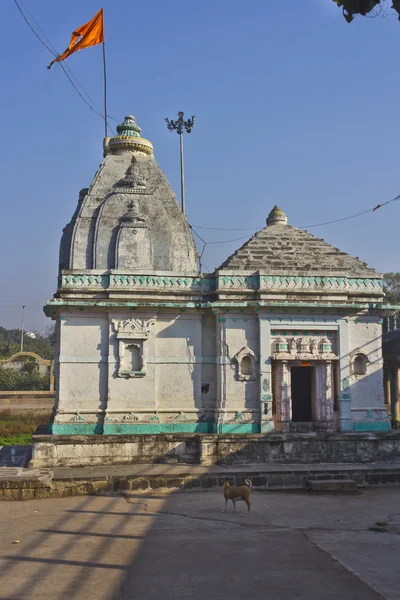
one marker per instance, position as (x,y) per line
(242,331)
(179,365)
(131,393)
(209,363)
(366,390)
(82,369)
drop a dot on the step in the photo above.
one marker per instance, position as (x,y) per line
(331,485)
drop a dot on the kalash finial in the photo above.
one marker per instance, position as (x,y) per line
(128,139)
(277,217)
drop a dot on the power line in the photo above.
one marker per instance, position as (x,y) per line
(256,230)
(55,53)
(299,226)
(91,105)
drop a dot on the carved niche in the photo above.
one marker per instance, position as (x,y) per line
(359,362)
(133,245)
(132,335)
(245,363)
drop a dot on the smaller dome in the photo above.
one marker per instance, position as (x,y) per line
(277,217)
(128,138)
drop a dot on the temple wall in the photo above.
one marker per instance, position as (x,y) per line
(209,362)
(179,372)
(242,332)
(192,368)
(82,364)
(365,337)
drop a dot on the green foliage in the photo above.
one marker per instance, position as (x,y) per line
(23,439)
(10,343)
(14,381)
(365,7)
(391,287)
(16,428)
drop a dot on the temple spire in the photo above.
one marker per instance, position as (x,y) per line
(277,217)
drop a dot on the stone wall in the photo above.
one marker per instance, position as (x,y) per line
(72,450)
(198,371)
(32,401)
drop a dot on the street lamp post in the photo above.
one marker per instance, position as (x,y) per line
(22,329)
(180,126)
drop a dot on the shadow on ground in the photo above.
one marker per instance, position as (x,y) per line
(151,545)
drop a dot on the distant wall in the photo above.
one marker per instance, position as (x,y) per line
(35,401)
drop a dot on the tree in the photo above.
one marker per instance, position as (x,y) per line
(391,287)
(10,343)
(365,8)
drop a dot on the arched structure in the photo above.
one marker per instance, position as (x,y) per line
(43,361)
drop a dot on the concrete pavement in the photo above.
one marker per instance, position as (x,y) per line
(151,545)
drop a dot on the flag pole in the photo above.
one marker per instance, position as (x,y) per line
(105,88)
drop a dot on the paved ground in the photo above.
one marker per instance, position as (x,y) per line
(20,458)
(180,545)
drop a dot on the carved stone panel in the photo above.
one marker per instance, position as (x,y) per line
(132,335)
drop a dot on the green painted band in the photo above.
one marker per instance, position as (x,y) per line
(143,428)
(76,428)
(239,428)
(371,426)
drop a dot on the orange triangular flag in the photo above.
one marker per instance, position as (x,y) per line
(87,35)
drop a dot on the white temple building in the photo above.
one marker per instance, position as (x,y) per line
(285,336)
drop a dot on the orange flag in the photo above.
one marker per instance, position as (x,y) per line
(87,35)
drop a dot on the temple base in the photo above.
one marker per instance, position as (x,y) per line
(207,449)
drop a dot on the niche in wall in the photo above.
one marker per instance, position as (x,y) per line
(360,364)
(245,363)
(132,335)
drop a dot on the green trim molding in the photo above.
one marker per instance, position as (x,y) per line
(373,427)
(143,428)
(185,427)
(152,428)
(76,428)
(52,306)
(78,279)
(233,428)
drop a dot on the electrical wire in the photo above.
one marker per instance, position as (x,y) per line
(364,212)
(91,105)
(205,244)
(55,54)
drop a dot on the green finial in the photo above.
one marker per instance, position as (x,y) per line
(128,138)
(129,128)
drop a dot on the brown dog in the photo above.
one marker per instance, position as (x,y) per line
(237,493)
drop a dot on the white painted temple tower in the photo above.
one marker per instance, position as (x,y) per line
(284,337)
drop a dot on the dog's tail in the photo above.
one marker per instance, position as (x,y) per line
(248,482)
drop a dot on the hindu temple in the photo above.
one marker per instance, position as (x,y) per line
(283,339)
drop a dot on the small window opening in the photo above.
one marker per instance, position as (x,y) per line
(360,364)
(133,360)
(246,367)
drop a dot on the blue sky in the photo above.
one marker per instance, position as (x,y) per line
(293,107)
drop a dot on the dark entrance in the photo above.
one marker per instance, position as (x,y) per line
(301,384)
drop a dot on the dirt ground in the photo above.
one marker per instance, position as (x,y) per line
(181,545)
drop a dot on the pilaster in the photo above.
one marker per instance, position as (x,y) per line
(266,416)
(285,408)
(345,416)
(328,395)
(222,361)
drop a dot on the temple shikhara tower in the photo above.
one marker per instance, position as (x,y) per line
(284,338)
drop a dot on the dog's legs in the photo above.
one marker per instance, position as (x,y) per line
(248,506)
(234,505)
(226,502)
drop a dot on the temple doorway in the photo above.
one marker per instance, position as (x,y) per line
(302,393)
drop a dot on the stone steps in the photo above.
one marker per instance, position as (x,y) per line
(25,484)
(332,485)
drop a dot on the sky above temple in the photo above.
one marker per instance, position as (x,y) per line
(293,107)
